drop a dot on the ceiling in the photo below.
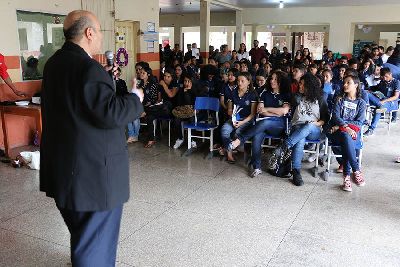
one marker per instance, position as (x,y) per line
(187,6)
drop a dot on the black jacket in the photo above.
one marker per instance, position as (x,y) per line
(84,157)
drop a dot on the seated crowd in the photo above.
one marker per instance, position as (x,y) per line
(272,94)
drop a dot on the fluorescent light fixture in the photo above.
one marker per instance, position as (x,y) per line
(281,5)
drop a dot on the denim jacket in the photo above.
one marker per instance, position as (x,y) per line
(348,111)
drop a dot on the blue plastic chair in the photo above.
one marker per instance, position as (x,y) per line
(208,104)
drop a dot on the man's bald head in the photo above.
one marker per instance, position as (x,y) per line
(76,23)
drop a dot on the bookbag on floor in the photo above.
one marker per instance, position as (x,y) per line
(280,162)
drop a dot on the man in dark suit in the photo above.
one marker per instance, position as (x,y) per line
(84,158)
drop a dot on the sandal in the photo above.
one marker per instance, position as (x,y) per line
(221,151)
(150,144)
(398,159)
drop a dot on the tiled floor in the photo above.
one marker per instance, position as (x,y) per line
(188,211)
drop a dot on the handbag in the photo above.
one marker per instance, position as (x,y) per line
(183,112)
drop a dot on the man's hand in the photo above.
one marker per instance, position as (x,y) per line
(114,69)
(351,132)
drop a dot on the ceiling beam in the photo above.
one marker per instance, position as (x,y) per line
(224,4)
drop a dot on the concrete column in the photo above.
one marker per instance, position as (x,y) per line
(239,29)
(204,29)
(254,33)
(178,36)
(229,39)
(341,37)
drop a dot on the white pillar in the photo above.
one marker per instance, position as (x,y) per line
(204,29)
(178,36)
(239,29)
(254,33)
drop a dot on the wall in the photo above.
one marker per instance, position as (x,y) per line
(148,12)
(374,34)
(21,128)
(340,19)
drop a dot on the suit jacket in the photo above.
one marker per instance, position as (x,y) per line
(84,157)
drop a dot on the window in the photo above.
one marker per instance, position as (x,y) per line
(40,35)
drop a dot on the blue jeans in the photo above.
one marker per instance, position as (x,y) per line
(274,126)
(348,149)
(297,140)
(133,128)
(374,101)
(227,130)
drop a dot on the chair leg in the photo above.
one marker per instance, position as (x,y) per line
(189,138)
(316,160)
(169,133)
(210,154)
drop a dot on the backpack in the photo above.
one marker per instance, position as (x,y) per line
(280,162)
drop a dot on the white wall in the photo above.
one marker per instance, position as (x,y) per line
(340,19)
(9,44)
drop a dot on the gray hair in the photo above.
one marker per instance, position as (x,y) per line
(75,31)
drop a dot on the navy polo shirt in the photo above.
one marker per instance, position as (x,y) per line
(227,92)
(389,88)
(243,103)
(272,100)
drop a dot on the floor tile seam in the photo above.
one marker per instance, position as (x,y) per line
(34,237)
(383,248)
(19,214)
(169,208)
(291,225)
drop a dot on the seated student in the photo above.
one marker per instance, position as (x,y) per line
(347,119)
(376,56)
(310,114)
(178,77)
(183,111)
(261,81)
(209,81)
(242,109)
(297,72)
(384,97)
(151,103)
(375,78)
(365,71)
(340,70)
(329,89)
(122,89)
(313,69)
(163,106)
(227,92)
(193,69)
(273,105)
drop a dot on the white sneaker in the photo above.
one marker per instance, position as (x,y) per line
(194,144)
(178,143)
(255,173)
(312,158)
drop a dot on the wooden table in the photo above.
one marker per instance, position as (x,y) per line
(29,111)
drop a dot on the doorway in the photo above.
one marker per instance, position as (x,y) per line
(126,37)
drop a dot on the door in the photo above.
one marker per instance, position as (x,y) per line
(126,37)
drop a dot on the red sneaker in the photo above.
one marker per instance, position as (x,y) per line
(358,178)
(347,183)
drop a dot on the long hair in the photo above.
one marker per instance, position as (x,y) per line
(283,81)
(248,76)
(356,81)
(312,87)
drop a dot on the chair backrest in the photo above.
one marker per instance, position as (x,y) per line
(207,103)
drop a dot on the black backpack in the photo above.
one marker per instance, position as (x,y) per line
(280,162)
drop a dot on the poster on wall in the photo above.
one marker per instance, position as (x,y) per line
(314,41)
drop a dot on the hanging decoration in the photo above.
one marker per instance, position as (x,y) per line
(122,51)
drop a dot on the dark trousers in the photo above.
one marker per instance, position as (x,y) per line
(94,236)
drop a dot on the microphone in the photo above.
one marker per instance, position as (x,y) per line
(110,62)
(110,58)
